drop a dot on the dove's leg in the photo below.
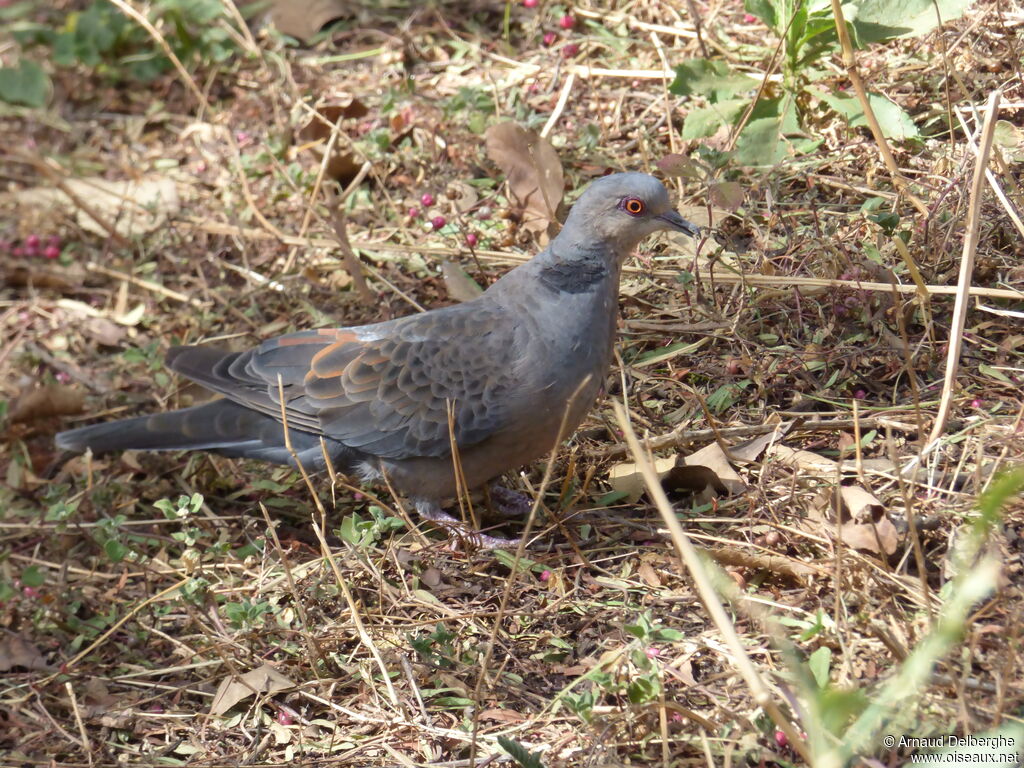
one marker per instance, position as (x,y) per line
(509,503)
(431,510)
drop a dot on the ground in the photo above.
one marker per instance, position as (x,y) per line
(163,609)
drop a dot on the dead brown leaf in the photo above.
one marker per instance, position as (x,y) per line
(315,133)
(534,173)
(460,285)
(302,20)
(713,457)
(45,402)
(264,679)
(15,651)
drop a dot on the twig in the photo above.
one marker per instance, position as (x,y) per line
(956,326)
(92,266)
(702,582)
(850,62)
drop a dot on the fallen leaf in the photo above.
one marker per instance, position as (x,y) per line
(303,20)
(15,651)
(860,504)
(45,402)
(534,173)
(460,285)
(503,715)
(343,165)
(676,165)
(878,537)
(751,450)
(626,477)
(648,575)
(713,457)
(777,564)
(727,194)
(133,207)
(263,679)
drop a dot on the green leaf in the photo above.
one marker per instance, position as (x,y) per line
(761,143)
(714,80)
(820,662)
(115,550)
(523,757)
(26,84)
(894,122)
(878,20)
(705,121)
(33,576)
(764,10)
(642,690)
(995,373)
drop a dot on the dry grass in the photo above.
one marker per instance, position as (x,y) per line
(803,336)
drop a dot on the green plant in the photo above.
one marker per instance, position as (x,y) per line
(362,533)
(778,118)
(103,39)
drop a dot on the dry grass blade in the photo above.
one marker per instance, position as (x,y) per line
(973,229)
(703,582)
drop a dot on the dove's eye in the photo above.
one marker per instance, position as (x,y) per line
(634,206)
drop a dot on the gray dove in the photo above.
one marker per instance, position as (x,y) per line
(528,354)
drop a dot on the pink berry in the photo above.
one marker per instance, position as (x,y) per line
(530,3)
(570,50)
(976,403)
(53,240)
(156,708)
(438,221)
(32,241)
(860,394)
(567,22)
(414,212)
(780,738)
(63,377)
(426,199)
(550,38)
(284,718)
(471,240)
(31,251)
(51,252)
(545,575)
(651,652)
(749,18)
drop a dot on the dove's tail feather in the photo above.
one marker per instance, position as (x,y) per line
(221,426)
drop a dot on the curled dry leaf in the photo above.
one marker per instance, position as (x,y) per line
(135,207)
(15,651)
(781,566)
(460,285)
(534,172)
(264,679)
(45,402)
(713,458)
(303,20)
(315,133)
(626,477)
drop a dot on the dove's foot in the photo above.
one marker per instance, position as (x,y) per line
(509,503)
(459,531)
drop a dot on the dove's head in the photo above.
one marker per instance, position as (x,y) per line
(621,210)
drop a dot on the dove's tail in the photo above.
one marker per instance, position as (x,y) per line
(221,426)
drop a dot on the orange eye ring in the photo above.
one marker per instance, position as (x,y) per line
(634,206)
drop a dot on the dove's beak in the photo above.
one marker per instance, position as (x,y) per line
(676,222)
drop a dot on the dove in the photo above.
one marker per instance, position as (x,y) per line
(504,376)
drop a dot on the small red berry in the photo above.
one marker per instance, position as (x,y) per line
(471,240)
(51,252)
(284,718)
(426,199)
(31,251)
(749,18)
(530,3)
(545,575)
(567,22)
(156,708)
(438,221)
(651,652)
(860,394)
(17,251)
(550,38)
(570,50)
(53,240)
(780,738)
(976,403)
(32,241)
(414,212)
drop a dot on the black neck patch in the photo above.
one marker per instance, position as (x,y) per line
(578,276)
